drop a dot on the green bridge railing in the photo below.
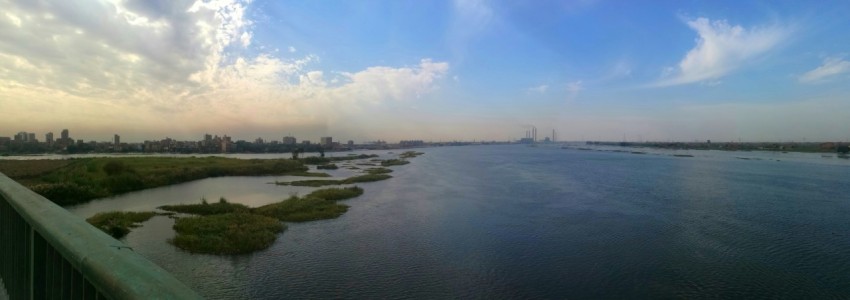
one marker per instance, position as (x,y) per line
(48,253)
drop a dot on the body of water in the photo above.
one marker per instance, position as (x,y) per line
(544,222)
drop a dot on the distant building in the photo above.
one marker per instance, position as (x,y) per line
(326,141)
(31,137)
(48,138)
(65,136)
(350,143)
(117,140)
(305,142)
(289,140)
(21,137)
(226,144)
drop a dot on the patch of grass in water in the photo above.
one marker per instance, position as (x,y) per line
(337,194)
(410,154)
(394,162)
(205,209)
(350,180)
(302,209)
(118,223)
(232,233)
(366,178)
(378,171)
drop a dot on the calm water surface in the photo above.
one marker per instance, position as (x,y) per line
(522,222)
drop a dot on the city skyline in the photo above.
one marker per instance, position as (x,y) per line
(445,70)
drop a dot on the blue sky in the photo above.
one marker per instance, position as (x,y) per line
(432,70)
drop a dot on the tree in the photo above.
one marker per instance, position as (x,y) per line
(843,149)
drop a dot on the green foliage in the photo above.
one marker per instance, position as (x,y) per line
(336,194)
(118,223)
(366,178)
(350,180)
(304,209)
(232,233)
(115,167)
(378,171)
(68,192)
(205,209)
(81,180)
(394,162)
(410,154)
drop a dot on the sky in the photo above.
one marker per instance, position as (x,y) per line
(430,70)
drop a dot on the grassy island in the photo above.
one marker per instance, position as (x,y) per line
(394,162)
(78,180)
(349,180)
(378,171)
(228,228)
(231,233)
(118,223)
(206,209)
(410,154)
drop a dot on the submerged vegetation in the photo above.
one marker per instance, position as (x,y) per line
(118,223)
(230,233)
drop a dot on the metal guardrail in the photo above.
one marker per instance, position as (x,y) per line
(48,253)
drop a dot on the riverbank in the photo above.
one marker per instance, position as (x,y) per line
(73,181)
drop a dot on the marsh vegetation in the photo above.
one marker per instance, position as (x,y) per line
(349,180)
(119,223)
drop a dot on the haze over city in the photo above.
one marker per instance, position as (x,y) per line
(449,70)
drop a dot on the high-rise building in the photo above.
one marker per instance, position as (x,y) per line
(21,136)
(31,137)
(289,140)
(48,138)
(326,141)
(117,140)
(65,134)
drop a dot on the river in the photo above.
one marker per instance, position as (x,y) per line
(537,222)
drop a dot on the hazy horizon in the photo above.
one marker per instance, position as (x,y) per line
(442,70)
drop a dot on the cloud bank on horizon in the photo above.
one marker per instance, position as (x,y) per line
(464,69)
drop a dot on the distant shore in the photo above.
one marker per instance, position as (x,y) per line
(806,147)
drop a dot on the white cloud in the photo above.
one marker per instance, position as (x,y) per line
(720,49)
(830,67)
(539,89)
(166,62)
